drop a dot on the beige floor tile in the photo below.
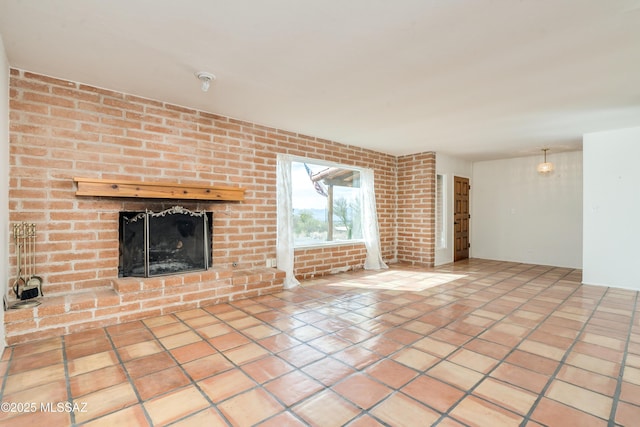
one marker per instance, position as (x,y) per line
(301,355)
(401,411)
(36,419)
(478,412)
(133,416)
(246,353)
(391,373)
(357,357)
(549,413)
(266,369)
(433,393)
(627,414)
(415,359)
(134,337)
(208,417)
(261,404)
(96,380)
(593,364)
(362,390)
(293,387)
(326,409)
(92,362)
(33,378)
(217,329)
(157,321)
(160,382)
(179,340)
(506,395)
(435,347)
(169,329)
(37,347)
(193,351)
(580,398)
(455,375)
(473,360)
(328,371)
(541,349)
(284,419)
(105,401)
(175,405)
(141,349)
(50,392)
(587,379)
(36,360)
(631,375)
(244,322)
(260,331)
(227,384)
(148,364)
(405,346)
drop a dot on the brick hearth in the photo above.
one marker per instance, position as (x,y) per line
(136,298)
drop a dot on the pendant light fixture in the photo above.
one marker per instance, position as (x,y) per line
(545,167)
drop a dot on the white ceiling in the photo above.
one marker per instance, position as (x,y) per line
(478,79)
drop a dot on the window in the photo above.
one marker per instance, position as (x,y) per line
(441,235)
(326,201)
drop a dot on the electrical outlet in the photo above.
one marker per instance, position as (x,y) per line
(271,263)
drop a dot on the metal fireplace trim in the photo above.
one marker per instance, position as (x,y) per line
(144,216)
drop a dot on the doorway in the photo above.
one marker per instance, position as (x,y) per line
(461,218)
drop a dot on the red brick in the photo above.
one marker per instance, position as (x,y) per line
(80,132)
(64,319)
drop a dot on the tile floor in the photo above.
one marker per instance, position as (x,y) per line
(476,343)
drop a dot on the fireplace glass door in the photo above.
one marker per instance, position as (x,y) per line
(172,241)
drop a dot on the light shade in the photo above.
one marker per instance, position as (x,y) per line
(545,167)
(205,79)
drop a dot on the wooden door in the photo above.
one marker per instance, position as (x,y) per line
(461,218)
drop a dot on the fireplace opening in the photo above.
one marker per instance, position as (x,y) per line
(173,241)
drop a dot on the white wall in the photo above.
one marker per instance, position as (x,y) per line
(450,167)
(522,216)
(611,207)
(4,182)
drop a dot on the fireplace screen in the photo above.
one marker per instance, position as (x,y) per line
(172,241)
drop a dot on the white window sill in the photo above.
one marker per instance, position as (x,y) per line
(330,244)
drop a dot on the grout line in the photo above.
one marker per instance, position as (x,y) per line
(616,394)
(5,377)
(562,363)
(315,301)
(184,371)
(236,366)
(128,377)
(470,390)
(65,363)
(444,291)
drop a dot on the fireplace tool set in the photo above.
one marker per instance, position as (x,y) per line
(28,284)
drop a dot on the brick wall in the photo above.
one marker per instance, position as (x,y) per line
(61,129)
(416,209)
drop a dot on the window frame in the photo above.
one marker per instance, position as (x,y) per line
(328,164)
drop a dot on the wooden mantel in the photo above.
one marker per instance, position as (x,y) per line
(156,190)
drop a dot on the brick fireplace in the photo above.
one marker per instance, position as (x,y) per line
(61,129)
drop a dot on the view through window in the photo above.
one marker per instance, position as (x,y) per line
(326,203)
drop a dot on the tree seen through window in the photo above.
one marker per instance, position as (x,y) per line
(326,203)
